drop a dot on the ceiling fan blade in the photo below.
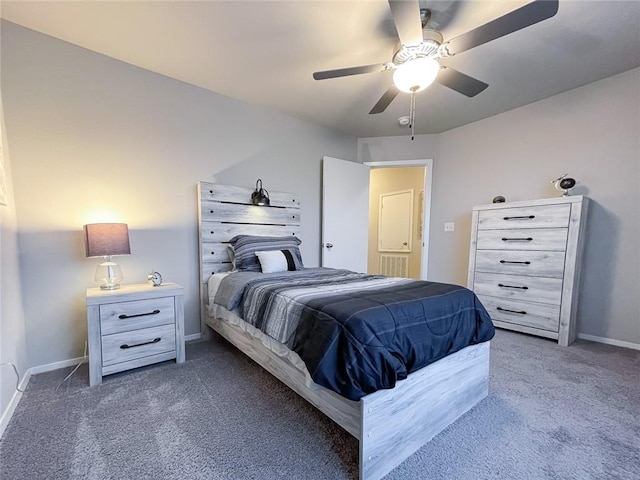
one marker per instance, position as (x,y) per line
(406,16)
(345,72)
(523,17)
(460,82)
(385,100)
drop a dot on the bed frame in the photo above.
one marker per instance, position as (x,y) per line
(389,424)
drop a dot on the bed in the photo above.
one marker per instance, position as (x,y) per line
(390,424)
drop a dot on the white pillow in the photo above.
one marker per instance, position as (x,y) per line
(272,261)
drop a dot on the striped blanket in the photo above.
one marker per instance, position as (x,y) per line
(358,333)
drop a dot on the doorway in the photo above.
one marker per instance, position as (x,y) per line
(398,242)
(345,212)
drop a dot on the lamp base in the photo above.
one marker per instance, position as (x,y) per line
(108,275)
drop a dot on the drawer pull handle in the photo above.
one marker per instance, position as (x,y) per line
(523,263)
(155,340)
(523,217)
(123,316)
(521,312)
(512,286)
(528,239)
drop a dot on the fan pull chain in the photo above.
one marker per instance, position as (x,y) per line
(412,114)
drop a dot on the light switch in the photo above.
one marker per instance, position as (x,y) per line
(449,227)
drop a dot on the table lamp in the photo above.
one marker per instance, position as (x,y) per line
(107,240)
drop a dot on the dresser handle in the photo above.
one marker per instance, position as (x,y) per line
(508,261)
(123,316)
(521,312)
(512,286)
(155,340)
(524,217)
(528,239)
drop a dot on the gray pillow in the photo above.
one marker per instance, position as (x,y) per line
(246,246)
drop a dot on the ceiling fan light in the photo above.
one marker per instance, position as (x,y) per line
(416,74)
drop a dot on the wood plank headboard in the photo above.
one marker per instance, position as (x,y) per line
(225,211)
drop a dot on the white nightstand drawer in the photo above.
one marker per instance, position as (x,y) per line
(523,239)
(125,346)
(136,314)
(535,216)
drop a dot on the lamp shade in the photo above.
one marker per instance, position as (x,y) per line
(416,75)
(106,239)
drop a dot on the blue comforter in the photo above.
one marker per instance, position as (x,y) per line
(358,333)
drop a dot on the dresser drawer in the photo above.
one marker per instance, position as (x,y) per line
(125,346)
(136,314)
(536,315)
(518,287)
(513,262)
(523,239)
(539,216)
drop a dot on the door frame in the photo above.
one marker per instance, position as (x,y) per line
(426,208)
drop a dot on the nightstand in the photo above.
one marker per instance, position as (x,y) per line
(133,326)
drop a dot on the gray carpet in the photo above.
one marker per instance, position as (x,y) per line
(552,413)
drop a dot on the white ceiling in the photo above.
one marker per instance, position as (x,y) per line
(264,52)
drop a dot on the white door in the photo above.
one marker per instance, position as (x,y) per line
(345,214)
(395,221)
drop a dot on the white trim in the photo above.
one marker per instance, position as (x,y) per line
(192,337)
(13,403)
(72,362)
(426,218)
(398,163)
(609,341)
(428,188)
(15,399)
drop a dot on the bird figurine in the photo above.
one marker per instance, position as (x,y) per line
(564,184)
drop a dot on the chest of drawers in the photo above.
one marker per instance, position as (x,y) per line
(524,264)
(133,326)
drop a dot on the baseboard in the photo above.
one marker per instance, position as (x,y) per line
(15,399)
(72,362)
(13,403)
(609,341)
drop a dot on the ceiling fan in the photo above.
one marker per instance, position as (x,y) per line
(415,59)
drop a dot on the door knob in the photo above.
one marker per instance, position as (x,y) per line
(404,243)
(328,245)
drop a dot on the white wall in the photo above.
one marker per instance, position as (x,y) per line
(12,326)
(592,133)
(96,139)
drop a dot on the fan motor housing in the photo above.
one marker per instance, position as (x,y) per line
(429,47)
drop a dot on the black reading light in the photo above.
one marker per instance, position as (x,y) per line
(260,196)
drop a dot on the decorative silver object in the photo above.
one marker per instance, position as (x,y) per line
(154,278)
(564,184)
